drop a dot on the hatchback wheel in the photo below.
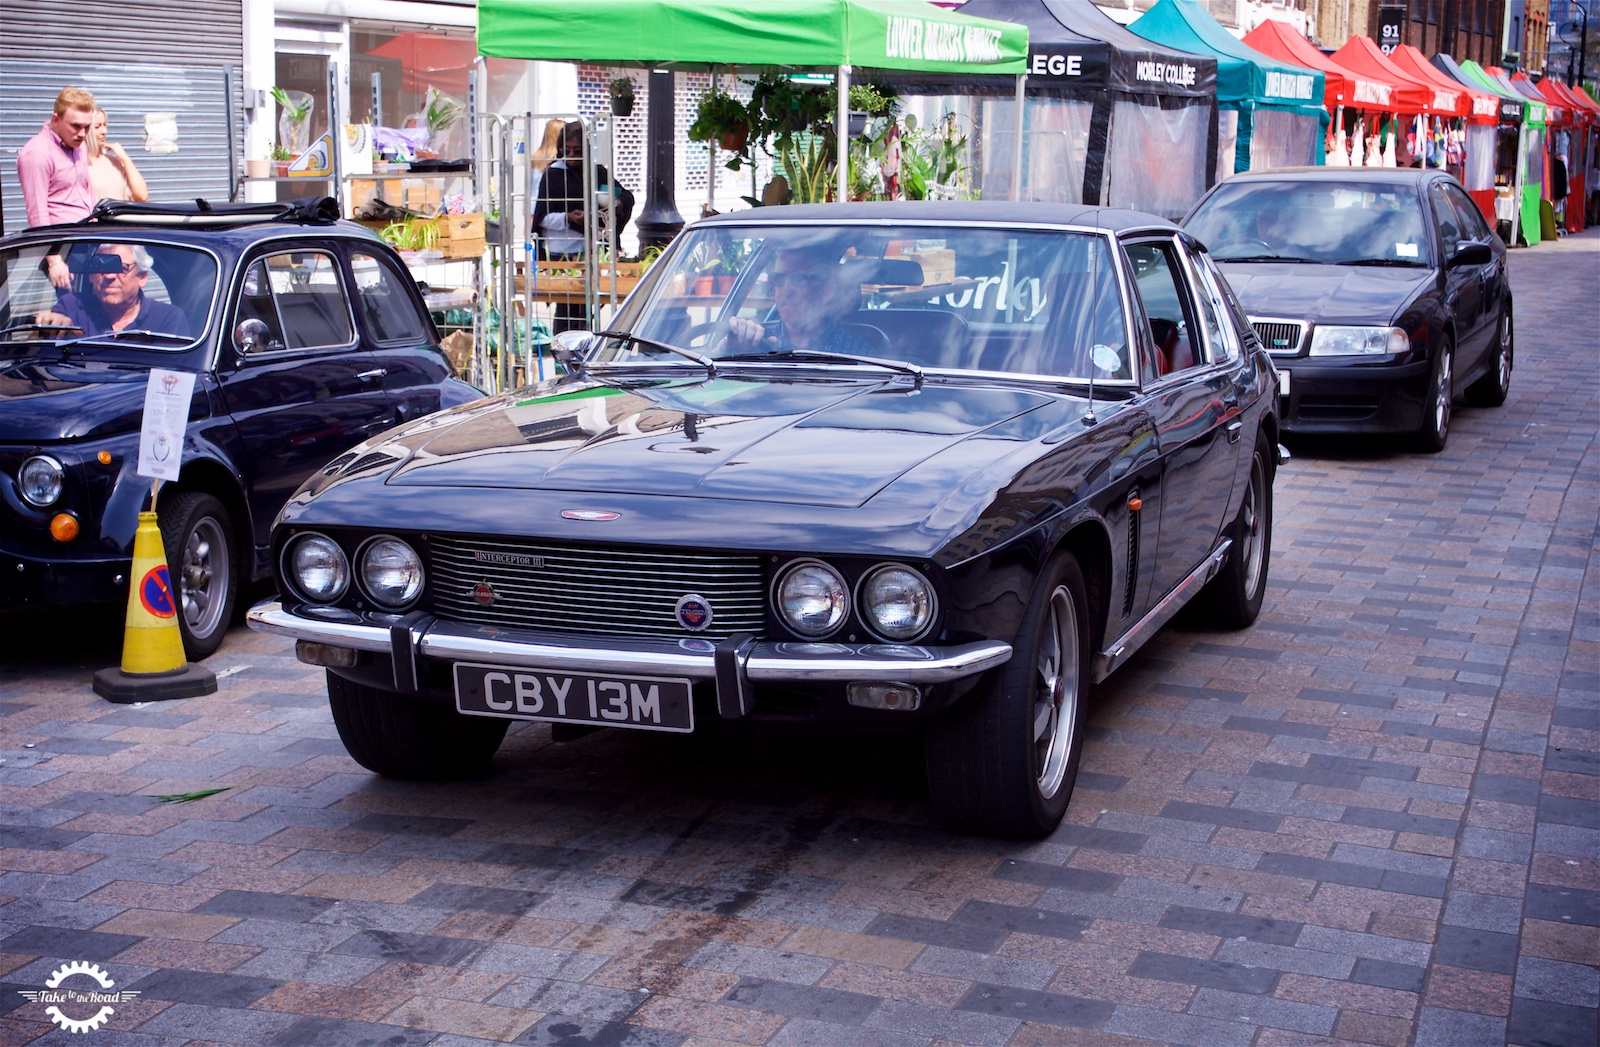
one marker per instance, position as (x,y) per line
(1436,405)
(1491,390)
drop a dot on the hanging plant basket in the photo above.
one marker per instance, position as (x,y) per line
(734,138)
(621,90)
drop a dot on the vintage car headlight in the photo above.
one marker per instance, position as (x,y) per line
(1358,341)
(897,602)
(40,480)
(812,598)
(391,572)
(318,568)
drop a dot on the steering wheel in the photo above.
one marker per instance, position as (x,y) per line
(1254,241)
(714,331)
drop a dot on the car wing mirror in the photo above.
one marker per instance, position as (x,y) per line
(1472,252)
(570,348)
(251,336)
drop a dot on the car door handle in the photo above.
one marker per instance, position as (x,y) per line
(373,375)
(1235,428)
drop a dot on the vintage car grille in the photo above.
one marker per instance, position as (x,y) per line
(593,589)
(1281,337)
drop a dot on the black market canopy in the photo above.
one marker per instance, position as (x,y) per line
(1110,117)
(843,35)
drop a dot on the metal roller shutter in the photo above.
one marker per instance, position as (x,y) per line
(153,56)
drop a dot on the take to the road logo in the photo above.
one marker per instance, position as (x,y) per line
(155,592)
(82,1007)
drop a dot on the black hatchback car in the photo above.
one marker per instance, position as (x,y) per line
(933,467)
(1380,293)
(306,335)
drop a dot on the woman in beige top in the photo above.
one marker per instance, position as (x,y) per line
(112,174)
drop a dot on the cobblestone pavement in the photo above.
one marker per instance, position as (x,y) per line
(1372,818)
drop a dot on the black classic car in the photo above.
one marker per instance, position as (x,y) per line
(306,335)
(933,467)
(1380,293)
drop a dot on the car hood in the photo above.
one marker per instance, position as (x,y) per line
(830,443)
(757,461)
(48,402)
(1326,293)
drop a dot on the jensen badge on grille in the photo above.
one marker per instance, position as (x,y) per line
(693,612)
(484,593)
(510,559)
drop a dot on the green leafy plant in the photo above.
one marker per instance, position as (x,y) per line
(933,161)
(723,118)
(411,236)
(441,112)
(809,171)
(296,112)
(649,255)
(621,92)
(280,153)
(295,116)
(780,108)
(199,794)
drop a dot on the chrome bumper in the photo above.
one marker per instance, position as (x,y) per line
(759,660)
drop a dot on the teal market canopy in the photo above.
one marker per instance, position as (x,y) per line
(1280,102)
(866,34)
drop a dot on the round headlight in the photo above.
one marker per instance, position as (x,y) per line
(391,572)
(812,598)
(40,480)
(897,602)
(318,568)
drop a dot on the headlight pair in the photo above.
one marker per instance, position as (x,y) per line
(1358,341)
(390,570)
(895,602)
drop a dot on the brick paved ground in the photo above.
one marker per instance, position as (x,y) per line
(1372,818)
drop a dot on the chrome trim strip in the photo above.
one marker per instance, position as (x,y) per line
(1123,648)
(769,661)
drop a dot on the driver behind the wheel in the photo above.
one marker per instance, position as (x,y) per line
(811,289)
(114,279)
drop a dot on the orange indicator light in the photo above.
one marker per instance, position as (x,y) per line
(105,457)
(1135,504)
(64,527)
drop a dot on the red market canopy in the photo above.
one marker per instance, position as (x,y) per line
(1479,107)
(1361,55)
(1341,86)
(1558,111)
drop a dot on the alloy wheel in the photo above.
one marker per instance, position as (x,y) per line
(1055,704)
(205,576)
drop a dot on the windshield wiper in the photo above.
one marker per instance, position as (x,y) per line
(127,332)
(820,354)
(1268,258)
(32,326)
(687,354)
(1407,263)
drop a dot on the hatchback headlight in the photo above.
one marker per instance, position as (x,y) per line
(318,568)
(1358,341)
(811,598)
(39,480)
(897,602)
(391,572)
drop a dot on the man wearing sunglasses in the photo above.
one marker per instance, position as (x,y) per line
(810,291)
(113,298)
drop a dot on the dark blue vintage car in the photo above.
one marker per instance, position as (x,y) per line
(306,335)
(931,467)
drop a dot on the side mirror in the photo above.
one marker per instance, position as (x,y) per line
(1472,252)
(251,336)
(570,347)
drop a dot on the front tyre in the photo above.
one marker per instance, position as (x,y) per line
(1006,760)
(1436,405)
(1492,389)
(198,537)
(399,736)
(1233,598)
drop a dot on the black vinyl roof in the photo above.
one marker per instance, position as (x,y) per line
(996,212)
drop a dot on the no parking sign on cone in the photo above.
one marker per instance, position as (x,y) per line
(153,667)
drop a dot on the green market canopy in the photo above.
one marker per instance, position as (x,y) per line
(798,34)
(1525,144)
(1279,106)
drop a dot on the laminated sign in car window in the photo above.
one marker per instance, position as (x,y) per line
(166,413)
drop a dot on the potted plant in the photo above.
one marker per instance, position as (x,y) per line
(621,91)
(295,118)
(723,119)
(440,115)
(280,160)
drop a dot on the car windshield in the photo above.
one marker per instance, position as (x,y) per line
(951,298)
(1321,222)
(93,291)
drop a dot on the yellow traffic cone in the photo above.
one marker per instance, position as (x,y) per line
(153,666)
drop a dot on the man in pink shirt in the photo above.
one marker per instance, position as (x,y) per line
(53,168)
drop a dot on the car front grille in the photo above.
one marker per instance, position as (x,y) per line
(592,589)
(1281,337)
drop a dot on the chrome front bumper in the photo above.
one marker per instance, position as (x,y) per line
(757,660)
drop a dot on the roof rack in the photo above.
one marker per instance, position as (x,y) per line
(315,209)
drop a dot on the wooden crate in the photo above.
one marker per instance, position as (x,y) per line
(461,235)
(938,266)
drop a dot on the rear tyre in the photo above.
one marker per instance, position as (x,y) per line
(197,535)
(1492,389)
(1233,598)
(1435,431)
(399,736)
(1005,762)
